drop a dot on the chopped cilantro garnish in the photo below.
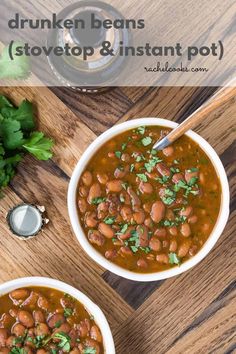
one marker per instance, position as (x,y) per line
(174,259)
(64,343)
(68,312)
(89,350)
(98,200)
(123,146)
(123,229)
(118,154)
(124,185)
(131,167)
(163,179)
(109,220)
(176,162)
(152,163)
(142,176)
(141,130)
(146,141)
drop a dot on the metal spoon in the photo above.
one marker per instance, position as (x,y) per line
(218,99)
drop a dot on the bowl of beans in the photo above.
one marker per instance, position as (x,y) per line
(42,315)
(144,214)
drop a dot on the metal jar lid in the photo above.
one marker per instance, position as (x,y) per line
(26,220)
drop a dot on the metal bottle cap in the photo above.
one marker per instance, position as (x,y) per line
(26,220)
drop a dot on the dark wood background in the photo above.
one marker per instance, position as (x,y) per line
(192,313)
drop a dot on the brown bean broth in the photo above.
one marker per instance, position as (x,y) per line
(206,205)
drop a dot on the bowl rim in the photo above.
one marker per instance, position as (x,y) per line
(101,260)
(89,305)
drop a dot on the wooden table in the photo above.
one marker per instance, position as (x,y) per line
(191,313)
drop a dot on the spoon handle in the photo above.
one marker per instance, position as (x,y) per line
(220,97)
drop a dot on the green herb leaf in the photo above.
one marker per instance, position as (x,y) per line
(109,220)
(24,115)
(123,146)
(68,312)
(142,176)
(131,167)
(174,259)
(141,130)
(89,350)
(39,146)
(11,134)
(146,141)
(4,102)
(118,154)
(98,200)
(64,343)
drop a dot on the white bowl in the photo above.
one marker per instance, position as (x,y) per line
(92,309)
(96,256)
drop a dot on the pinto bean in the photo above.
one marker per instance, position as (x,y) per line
(54,319)
(106,230)
(157,211)
(102,178)
(155,244)
(160,232)
(38,316)
(193,219)
(152,175)
(142,263)
(102,209)
(142,232)
(83,191)
(168,151)
(6,320)
(87,178)
(125,157)
(177,177)
(148,222)
(114,186)
(139,216)
(150,257)
(147,207)
(19,294)
(173,230)
(19,330)
(135,201)
(3,337)
(96,238)
(96,334)
(84,328)
(121,172)
(186,211)
(126,213)
(185,230)
(42,329)
(90,219)
(145,188)
(126,251)
(202,178)
(163,169)
(189,175)
(25,318)
(170,214)
(193,250)
(43,303)
(4,350)
(64,327)
(165,244)
(127,233)
(124,198)
(10,342)
(13,312)
(94,192)
(82,205)
(42,351)
(162,258)
(173,246)
(184,248)
(111,254)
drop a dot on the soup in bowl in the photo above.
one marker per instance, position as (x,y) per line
(42,315)
(147,214)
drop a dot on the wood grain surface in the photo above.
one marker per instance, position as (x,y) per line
(192,313)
